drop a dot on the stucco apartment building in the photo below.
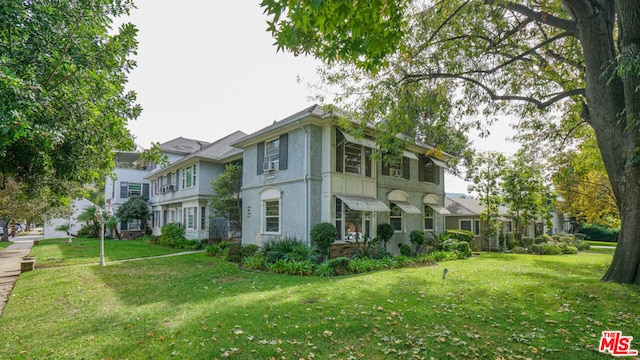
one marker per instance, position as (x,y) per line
(304,170)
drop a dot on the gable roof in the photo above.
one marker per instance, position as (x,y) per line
(182,146)
(468,206)
(219,150)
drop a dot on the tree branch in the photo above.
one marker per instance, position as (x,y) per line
(64,50)
(492,94)
(542,17)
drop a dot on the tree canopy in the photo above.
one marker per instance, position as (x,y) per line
(136,208)
(227,200)
(63,103)
(557,65)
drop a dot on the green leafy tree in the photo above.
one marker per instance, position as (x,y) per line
(64,106)
(582,182)
(385,232)
(485,173)
(558,65)
(323,235)
(136,208)
(227,201)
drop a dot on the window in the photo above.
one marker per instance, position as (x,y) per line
(476,227)
(510,226)
(395,217)
(128,189)
(272,154)
(203,218)
(272,216)
(399,168)
(466,225)
(352,224)
(429,171)
(352,158)
(189,177)
(428,218)
(190,217)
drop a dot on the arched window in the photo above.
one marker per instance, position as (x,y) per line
(271,210)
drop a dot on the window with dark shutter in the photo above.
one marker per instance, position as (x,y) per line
(145,191)
(124,189)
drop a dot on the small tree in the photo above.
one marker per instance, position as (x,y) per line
(226,201)
(419,239)
(385,232)
(323,235)
(135,209)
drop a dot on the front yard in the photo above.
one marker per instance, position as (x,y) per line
(195,306)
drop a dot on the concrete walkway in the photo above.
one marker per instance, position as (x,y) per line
(10,259)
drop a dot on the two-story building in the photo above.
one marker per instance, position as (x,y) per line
(180,192)
(304,170)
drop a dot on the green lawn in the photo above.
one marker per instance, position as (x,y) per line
(58,252)
(197,307)
(4,244)
(600,243)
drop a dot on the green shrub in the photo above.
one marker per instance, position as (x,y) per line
(526,241)
(440,256)
(449,245)
(519,250)
(511,240)
(340,265)
(419,239)
(249,250)
(461,235)
(323,235)
(551,249)
(214,250)
(255,262)
(536,249)
(463,249)
(402,261)
(278,267)
(405,250)
(171,232)
(598,232)
(582,246)
(555,237)
(278,249)
(385,232)
(579,237)
(234,254)
(324,269)
(539,240)
(224,245)
(304,267)
(566,239)
(570,250)
(362,265)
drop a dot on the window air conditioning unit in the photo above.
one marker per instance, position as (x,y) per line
(171,188)
(396,172)
(270,166)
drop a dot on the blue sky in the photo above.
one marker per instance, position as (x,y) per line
(206,69)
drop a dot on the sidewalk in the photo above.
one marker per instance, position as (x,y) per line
(10,259)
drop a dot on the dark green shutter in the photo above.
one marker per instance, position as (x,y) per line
(406,168)
(145,191)
(421,160)
(283,157)
(260,160)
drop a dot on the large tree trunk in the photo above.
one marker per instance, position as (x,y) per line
(613,103)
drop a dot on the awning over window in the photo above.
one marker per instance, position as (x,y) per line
(410,155)
(408,208)
(439,209)
(438,162)
(364,141)
(363,203)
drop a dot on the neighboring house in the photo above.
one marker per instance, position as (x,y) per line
(465,215)
(129,177)
(50,225)
(180,192)
(303,170)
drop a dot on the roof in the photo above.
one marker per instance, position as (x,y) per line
(315,110)
(219,150)
(319,112)
(182,146)
(468,206)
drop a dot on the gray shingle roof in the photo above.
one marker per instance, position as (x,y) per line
(182,146)
(468,206)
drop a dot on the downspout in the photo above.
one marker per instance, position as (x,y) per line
(306,182)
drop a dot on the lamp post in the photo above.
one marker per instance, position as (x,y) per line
(100,219)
